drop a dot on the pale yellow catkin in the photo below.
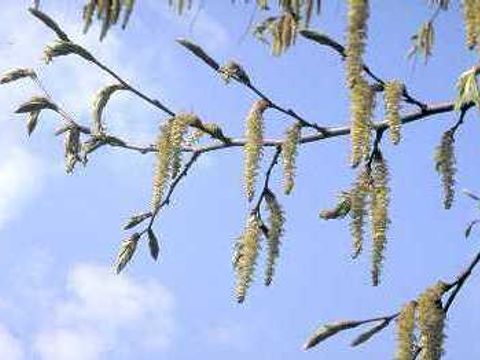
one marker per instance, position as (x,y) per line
(289,156)
(254,145)
(276,223)
(445,165)
(431,322)
(405,332)
(471,19)
(393,95)
(358,212)
(162,164)
(380,198)
(177,136)
(362,103)
(246,256)
(358,11)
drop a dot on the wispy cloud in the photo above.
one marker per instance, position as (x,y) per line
(10,346)
(105,314)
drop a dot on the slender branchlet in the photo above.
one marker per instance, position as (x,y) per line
(362,105)
(340,210)
(380,197)
(406,332)
(358,11)
(276,223)
(245,256)
(253,146)
(162,165)
(472,22)
(358,212)
(431,321)
(289,156)
(393,97)
(445,165)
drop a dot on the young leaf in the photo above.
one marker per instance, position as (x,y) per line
(36,103)
(329,330)
(125,254)
(153,244)
(367,335)
(136,220)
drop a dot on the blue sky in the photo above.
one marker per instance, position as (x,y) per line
(59,234)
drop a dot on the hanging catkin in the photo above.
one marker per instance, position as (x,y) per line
(253,147)
(362,103)
(289,156)
(245,256)
(405,332)
(393,95)
(380,197)
(356,35)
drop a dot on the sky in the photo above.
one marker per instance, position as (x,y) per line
(59,299)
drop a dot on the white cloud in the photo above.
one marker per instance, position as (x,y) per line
(10,346)
(20,175)
(103,313)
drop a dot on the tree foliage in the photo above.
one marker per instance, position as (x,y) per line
(420,322)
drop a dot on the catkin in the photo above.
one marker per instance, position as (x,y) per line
(358,212)
(162,165)
(431,321)
(356,35)
(362,104)
(471,19)
(393,95)
(405,332)
(177,135)
(276,222)
(246,253)
(380,194)
(445,165)
(253,146)
(284,32)
(289,156)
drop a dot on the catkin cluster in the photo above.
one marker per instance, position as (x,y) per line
(253,146)
(108,11)
(358,12)
(445,165)
(369,195)
(471,16)
(180,5)
(362,102)
(289,156)
(431,319)
(406,332)
(245,256)
(284,32)
(276,222)
(168,162)
(379,213)
(393,95)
